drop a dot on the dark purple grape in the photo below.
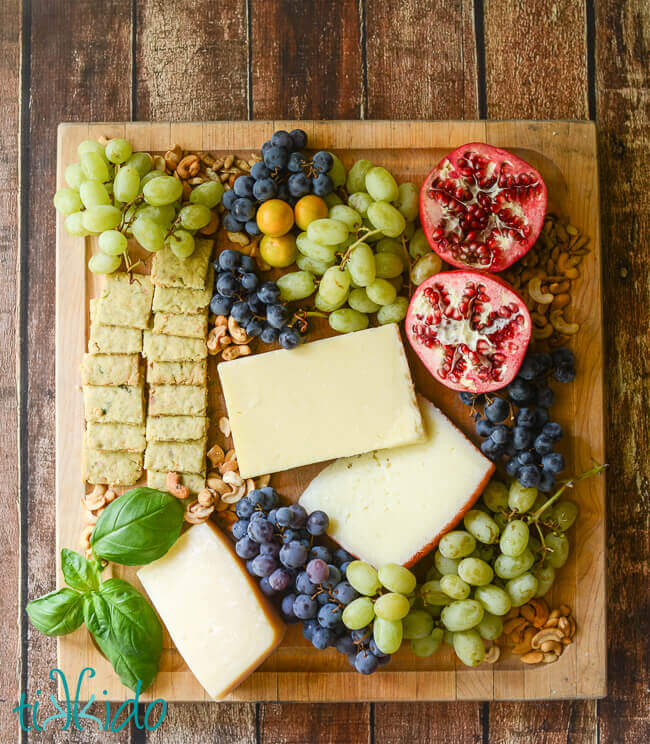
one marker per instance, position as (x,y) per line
(246,548)
(484,427)
(543,444)
(521,392)
(345,645)
(563,356)
(294,554)
(289,338)
(298,516)
(522,437)
(322,161)
(286,606)
(227,200)
(289,535)
(320,551)
(545,397)
(282,139)
(270,548)
(256,497)
(547,482)
(552,430)
(265,189)
(365,662)
(512,467)
(304,585)
(565,373)
(299,185)
(329,615)
(335,575)
(239,529)
(322,638)
(268,590)
(243,186)
(259,170)
(283,516)
(317,570)
(270,497)
(501,434)
(298,138)
(361,634)
(308,627)
(341,556)
(526,417)
(541,417)
(317,523)
(496,410)
(296,162)
(553,462)
(529,476)
(304,607)
(344,593)
(374,650)
(264,565)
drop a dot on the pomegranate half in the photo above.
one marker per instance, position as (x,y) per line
(470,330)
(482,207)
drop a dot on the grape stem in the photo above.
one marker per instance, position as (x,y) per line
(366,233)
(566,484)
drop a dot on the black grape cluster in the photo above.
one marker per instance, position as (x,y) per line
(255,305)
(528,443)
(305,579)
(284,173)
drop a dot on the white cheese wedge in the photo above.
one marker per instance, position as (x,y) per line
(393,506)
(326,399)
(216,615)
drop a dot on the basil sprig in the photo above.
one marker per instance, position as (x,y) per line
(135,529)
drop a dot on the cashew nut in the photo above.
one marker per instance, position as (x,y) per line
(239,335)
(175,487)
(546,634)
(560,301)
(214,338)
(525,644)
(492,655)
(535,291)
(215,455)
(542,333)
(561,325)
(232,352)
(214,483)
(533,657)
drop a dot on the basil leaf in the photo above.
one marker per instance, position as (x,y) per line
(135,627)
(130,669)
(78,572)
(56,613)
(97,615)
(138,527)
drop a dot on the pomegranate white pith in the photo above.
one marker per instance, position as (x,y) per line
(482,207)
(471,330)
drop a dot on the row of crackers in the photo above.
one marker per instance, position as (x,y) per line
(114,401)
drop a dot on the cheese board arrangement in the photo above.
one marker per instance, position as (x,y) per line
(339,434)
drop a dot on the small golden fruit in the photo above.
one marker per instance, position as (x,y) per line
(308,209)
(279,252)
(275,218)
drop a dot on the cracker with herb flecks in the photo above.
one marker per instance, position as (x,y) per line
(177,300)
(177,373)
(125,300)
(178,400)
(175,324)
(161,348)
(176,428)
(116,437)
(123,404)
(110,369)
(179,457)
(168,270)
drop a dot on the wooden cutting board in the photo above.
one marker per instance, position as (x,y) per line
(565,153)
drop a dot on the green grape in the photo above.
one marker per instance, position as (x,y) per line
(394,248)
(534,545)
(194,216)
(495,496)
(475,571)
(490,628)
(448,637)
(93,193)
(162,215)
(91,145)
(74,225)
(521,499)
(74,175)
(484,552)
(493,599)
(564,513)
(392,606)
(409,231)
(332,199)
(163,190)
(374,235)
(424,647)
(327,307)
(432,593)
(112,242)
(559,545)
(127,184)
(393,313)
(361,265)
(363,578)
(346,320)
(94,166)
(457,544)
(181,243)
(356,180)
(388,265)
(386,218)
(387,635)
(408,200)
(314,250)
(396,578)
(118,150)
(501,520)
(417,624)
(142,162)
(418,244)
(445,565)
(67,201)
(149,176)
(101,217)
(545,576)
(522,589)
(360,201)
(506,567)
(100,263)
(481,526)
(209,194)
(327,232)
(337,172)
(462,614)
(335,284)
(382,292)
(313,265)
(455,587)
(514,538)
(297,285)
(359,613)
(359,300)
(348,216)
(150,234)
(433,574)
(381,185)
(425,267)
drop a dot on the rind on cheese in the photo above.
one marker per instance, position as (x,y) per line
(393,506)
(214,611)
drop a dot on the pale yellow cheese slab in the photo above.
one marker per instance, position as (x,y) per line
(333,398)
(213,610)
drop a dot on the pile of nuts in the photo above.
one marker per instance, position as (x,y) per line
(545,275)
(537,634)
(94,504)
(224,487)
(228,338)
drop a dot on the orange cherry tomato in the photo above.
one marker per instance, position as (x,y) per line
(275,218)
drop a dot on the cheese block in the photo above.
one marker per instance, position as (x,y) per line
(393,506)
(325,399)
(215,613)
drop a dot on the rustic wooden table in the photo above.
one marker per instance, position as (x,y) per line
(66,60)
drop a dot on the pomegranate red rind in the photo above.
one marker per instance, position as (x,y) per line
(470,329)
(482,207)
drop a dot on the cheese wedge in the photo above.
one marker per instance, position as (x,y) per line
(393,506)
(326,399)
(215,613)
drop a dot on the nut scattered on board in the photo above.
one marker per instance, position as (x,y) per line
(176,487)
(224,426)
(94,504)
(538,635)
